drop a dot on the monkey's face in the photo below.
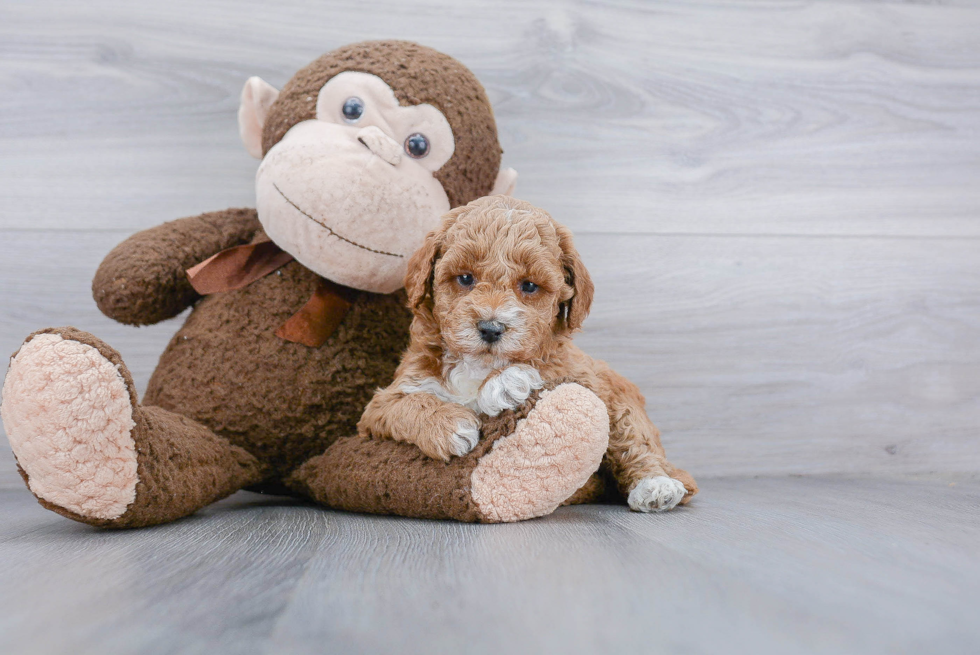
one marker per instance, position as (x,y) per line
(363,151)
(351,193)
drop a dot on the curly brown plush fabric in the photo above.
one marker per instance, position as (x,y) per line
(381,476)
(181,465)
(283,402)
(158,288)
(417,75)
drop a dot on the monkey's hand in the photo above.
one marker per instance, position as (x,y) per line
(143,280)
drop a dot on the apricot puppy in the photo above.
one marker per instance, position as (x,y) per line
(497,291)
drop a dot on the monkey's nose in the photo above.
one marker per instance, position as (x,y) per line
(490,331)
(380,144)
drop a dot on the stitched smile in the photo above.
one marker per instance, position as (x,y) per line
(329,229)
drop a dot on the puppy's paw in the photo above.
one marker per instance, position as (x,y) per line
(452,432)
(508,389)
(465,437)
(656,494)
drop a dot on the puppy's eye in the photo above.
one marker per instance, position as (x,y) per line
(353,109)
(465,280)
(528,287)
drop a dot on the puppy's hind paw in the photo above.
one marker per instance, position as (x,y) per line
(508,389)
(656,494)
(464,438)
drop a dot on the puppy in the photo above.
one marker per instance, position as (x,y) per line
(497,292)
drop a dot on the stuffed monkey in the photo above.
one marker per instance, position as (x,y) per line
(297,318)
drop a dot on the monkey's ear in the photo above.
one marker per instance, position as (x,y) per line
(575,306)
(506,181)
(257,96)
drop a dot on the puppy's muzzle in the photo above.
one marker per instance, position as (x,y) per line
(490,331)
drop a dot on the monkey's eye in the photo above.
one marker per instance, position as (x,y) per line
(528,287)
(353,109)
(465,280)
(417,146)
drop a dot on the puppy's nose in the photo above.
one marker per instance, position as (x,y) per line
(490,331)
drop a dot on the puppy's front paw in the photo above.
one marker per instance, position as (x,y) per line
(465,437)
(656,494)
(508,389)
(451,432)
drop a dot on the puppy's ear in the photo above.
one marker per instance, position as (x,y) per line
(421,266)
(577,299)
(418,278)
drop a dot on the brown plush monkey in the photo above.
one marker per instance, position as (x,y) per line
(297,317)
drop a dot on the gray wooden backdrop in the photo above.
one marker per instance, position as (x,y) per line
(779,201)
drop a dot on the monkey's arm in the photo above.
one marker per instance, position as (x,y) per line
(143,279)
(440,429)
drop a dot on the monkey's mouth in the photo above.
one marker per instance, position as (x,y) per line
(330,229)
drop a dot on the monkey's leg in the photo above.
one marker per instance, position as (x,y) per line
(526,464)
(90,452)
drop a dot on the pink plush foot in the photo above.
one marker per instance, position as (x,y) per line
(68,414)
(550,455)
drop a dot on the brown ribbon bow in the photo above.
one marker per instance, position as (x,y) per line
(237,267)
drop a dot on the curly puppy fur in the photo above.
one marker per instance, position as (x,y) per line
(497,292)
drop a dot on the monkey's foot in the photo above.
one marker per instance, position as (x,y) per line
(68,413)
(529,461)
(88,451)
(551,453)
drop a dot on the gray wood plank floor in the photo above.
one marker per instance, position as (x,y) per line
(787,565)
(779,204)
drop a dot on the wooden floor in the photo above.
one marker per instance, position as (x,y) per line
(780,204)
(786,565)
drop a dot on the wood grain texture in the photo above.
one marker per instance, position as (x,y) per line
(719,117)
(778,200)
(791,565)
(779,204)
